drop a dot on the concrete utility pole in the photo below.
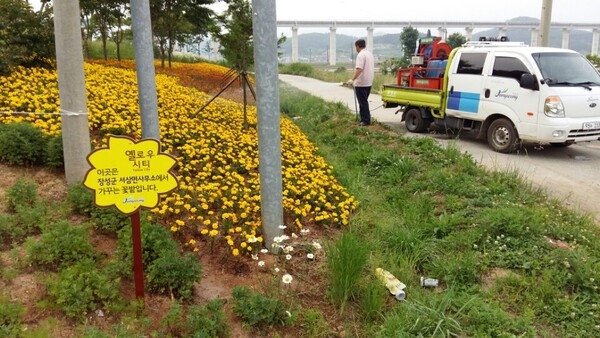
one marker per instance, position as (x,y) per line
(144,65)
(264,29)
(71,90)
(546,19)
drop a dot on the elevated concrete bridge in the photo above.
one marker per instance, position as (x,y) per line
(443,26)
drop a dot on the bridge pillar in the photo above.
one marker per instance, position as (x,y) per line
(469,33)
(214,51)
(595,40)
(295,44)
(566,33)
(534,37)
(370,39)
(443,32)
(332,47)
(501,31)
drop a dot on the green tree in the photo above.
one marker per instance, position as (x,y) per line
(108,16)
(121,20)
(176,21)
(594,59)
(408,40)
(26,37)
(87,8)
(233,32)
(456,40)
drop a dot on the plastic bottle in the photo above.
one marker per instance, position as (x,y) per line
(392,283)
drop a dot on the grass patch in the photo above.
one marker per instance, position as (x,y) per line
(431,211)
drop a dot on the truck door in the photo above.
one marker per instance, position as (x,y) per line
(465,85)
(503,95)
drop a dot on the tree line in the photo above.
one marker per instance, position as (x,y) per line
(27,35)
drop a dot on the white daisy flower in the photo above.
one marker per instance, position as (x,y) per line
(287,278)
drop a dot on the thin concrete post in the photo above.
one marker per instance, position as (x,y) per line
(144,65)
(71,90)
(264,29)
(545,23)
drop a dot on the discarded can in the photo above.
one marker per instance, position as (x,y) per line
(429,282)
(392,283)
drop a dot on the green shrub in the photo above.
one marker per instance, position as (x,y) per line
(155,240)
(207,321)
(22,144)
(175,275)
(298,68)
(108,220)
(22,194)
(81,288)
(257,310)
(54,152)
(14,228)
(315,324)
(9,231)
(391,65)
(11,324)
(61,244)
(80,199)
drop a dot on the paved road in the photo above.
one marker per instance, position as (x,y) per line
(571,174)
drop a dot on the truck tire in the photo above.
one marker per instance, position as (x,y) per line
(414,121)
(502,136)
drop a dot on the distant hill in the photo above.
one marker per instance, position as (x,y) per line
(314,47)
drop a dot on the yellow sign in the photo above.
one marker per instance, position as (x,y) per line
(130,174)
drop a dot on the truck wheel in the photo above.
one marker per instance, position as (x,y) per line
(414,122)
(502,136)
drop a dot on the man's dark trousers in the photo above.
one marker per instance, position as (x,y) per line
(362,95)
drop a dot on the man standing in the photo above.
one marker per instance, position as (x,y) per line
(362,80)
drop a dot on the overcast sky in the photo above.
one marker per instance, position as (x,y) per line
(450,10)
(581,11)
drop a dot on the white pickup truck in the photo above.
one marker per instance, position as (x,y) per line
(507,92)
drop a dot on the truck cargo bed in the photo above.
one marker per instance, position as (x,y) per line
(406,96)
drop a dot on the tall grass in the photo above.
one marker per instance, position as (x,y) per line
(346,259)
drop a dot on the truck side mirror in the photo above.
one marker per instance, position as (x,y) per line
(529,81)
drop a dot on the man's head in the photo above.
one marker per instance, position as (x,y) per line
(360,44)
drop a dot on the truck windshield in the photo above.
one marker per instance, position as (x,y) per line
(566,69)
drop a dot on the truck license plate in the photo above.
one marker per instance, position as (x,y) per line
(591,125)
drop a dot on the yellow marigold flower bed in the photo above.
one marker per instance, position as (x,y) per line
(219,189)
